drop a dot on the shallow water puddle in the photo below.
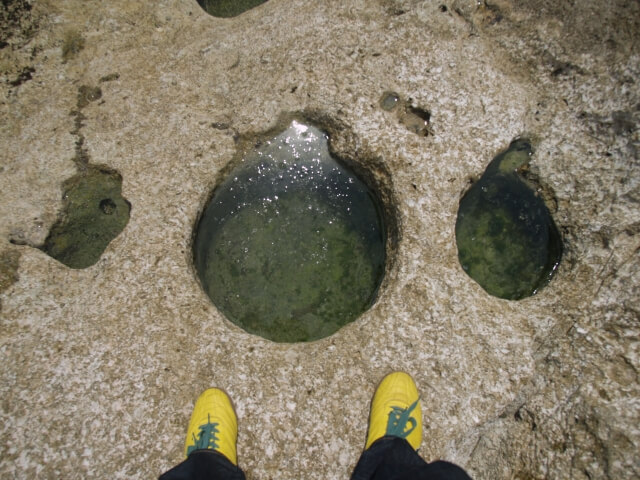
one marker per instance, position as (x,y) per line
(291,246)
(228,8)
(94,213)
(507,240)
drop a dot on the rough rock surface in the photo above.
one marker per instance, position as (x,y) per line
(101,366)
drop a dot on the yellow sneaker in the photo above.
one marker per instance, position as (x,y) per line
(213,425)
(396,410)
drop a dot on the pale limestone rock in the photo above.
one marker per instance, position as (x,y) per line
(101,366)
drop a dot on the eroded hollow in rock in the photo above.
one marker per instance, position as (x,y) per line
(389,101)
(94,213)
(291,245)
(415,119)
(507,240)
(228,8)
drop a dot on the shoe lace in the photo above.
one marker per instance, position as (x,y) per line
(400,419)
(207,437)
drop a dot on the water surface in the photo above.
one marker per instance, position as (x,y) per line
(291,246)
(507,240)
(228,8)
(93,213)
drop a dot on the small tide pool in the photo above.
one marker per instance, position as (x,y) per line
(291,245)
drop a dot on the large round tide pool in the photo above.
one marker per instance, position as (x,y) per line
(291,245)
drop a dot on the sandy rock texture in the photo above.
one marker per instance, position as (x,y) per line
(101,366)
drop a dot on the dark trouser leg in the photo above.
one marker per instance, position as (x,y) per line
(392,458)
(204,465)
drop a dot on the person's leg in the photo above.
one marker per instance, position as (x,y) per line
(210,448)
(395,433)
(204,465)
(387,453)
(393,458)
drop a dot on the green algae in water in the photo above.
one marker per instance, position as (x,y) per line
(228,8)
(94,213)
(507,240)
(291,246)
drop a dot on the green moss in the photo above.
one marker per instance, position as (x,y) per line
(9,261)
(228,8)
(507,240)
(86,95)
(291,246)
(109,78)
(72,43)
(94,213)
